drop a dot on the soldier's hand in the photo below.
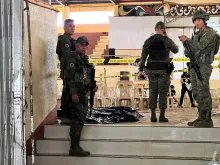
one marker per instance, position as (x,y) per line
(142,74)
(183,38)
(75,98)
(95,89)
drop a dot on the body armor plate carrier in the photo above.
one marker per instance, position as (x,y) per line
(158,55)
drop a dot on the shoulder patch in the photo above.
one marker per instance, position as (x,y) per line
(71,65)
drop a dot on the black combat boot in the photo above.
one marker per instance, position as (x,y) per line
(200,117)
(76,150)
(191,123)
(206,122)
(162,117)
(153,116)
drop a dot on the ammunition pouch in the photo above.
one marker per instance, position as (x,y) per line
(79,78)
(156,66)
(161,66)
(206,58)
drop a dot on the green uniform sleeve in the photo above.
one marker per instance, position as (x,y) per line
(187,53)
(172,46)
(144,54)
(206,38)
(63,47)
(70,75)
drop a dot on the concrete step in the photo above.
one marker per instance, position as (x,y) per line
(136,132)
(104,37)
(102,43)
(99,50)
(98,53)
(132,148)
(115,160)
(97,56)
(102,46)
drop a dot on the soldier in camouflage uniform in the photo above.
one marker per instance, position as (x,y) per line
(65,44)
(77,77)
(202,46)
(157,47)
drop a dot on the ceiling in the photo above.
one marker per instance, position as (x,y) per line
(69,2)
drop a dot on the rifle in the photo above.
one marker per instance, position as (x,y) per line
(194,62)
(93,85)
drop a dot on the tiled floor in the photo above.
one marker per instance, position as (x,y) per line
(176,116)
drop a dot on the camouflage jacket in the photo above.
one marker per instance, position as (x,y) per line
(65,44)
(203,43)
(169,44)
(77,73)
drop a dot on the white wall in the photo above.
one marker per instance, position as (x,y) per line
(131,32)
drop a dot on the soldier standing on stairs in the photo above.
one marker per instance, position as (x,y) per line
(77,76)
(201,49)
(159,69)
(65,44)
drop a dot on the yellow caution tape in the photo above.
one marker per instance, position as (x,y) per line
(180,60)
(130,75)
(96,61)
(132,60)
(217,58)
(214,67)
(124,60)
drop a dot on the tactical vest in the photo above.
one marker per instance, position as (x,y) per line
(157,49)
(158,55)
(82,76)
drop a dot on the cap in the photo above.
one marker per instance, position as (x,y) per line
(82,39)
(160,25)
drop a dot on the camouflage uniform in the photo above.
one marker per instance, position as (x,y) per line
(78,81)
(65,44)
(159,78)
(202,46)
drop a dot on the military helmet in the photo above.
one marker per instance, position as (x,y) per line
(200,14)
(160,25)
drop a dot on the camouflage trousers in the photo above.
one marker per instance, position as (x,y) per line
(159,82)
(77,114)
(201,91)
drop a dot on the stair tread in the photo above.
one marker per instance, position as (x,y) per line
(132,140)
(136,132)
(133,156)
(129,125)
